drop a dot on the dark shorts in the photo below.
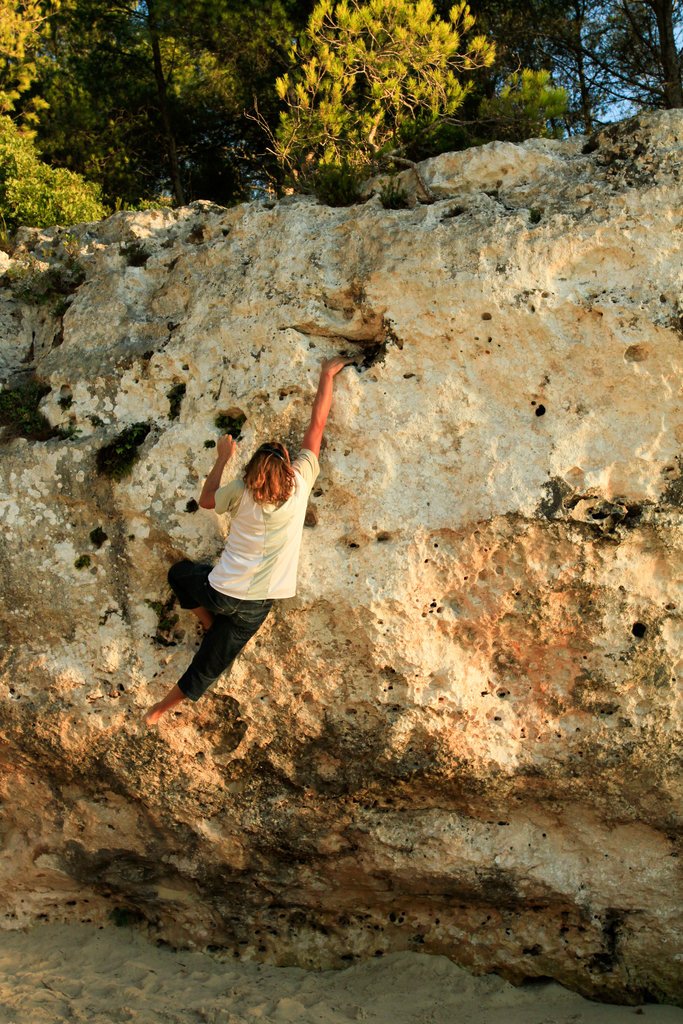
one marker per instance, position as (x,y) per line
(235,623)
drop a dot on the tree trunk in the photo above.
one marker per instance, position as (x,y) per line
(581,70)
(163,107)
(673,92)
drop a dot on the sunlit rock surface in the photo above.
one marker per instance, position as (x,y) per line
(463,735)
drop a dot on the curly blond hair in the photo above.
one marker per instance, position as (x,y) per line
(269,475)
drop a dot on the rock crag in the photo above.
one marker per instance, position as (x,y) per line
(463,736)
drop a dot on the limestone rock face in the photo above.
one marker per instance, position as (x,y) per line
(463,735)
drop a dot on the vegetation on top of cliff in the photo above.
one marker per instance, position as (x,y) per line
(393,196)
(368,76)
(51,279)
(337,184)
(107,107)
(33,193)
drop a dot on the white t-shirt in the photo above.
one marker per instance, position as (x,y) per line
(261,553)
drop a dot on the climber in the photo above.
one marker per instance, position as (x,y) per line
(258,564)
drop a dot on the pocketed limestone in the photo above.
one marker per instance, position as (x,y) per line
(463,735)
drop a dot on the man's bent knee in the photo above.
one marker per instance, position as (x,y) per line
(176,570)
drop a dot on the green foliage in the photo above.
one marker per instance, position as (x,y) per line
(337,184)
(149,100)
(526,106)
(209,443)
(68,432)
(82,562)
(20,415)
(117,117)
(608,55)
(175,397)
(229,423)
(393,196)
(116,459)
(23,31)
(366,72)
(36,195)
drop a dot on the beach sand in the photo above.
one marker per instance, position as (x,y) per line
(81,973)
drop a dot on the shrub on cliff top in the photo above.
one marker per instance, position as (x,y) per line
(36,195)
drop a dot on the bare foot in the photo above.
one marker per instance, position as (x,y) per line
(153,715)
(172,698)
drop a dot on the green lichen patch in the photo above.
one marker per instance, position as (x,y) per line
(82,562)
(116,459)
(20,415)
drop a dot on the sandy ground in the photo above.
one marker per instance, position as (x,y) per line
(79,973)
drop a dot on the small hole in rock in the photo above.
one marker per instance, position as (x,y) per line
(639,629)
(540,410)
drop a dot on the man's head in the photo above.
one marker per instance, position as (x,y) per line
(269,474)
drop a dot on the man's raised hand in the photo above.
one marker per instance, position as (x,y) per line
(225,446)
(332,366)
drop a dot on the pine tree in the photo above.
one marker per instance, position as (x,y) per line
(369,76)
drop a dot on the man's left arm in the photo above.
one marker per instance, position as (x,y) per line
(225,449)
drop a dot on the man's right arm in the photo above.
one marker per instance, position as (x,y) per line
(323,401)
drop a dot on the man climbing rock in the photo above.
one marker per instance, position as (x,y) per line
(259,562)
